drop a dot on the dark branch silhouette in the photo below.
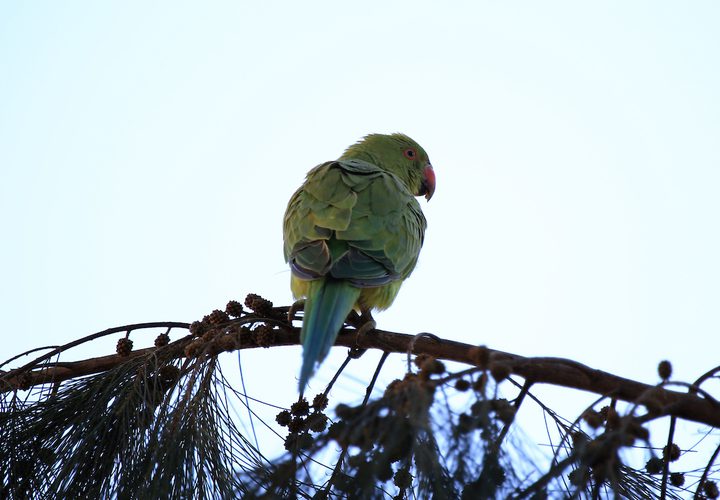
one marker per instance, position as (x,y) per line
(161,421)
(546,370)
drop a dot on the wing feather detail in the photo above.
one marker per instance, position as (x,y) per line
(351,220)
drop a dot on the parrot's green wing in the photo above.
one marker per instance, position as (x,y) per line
(352,233)
(353,221)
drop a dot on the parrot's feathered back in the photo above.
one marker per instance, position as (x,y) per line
(352,234)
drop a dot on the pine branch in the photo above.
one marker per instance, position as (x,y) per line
(269,329)
(162,422)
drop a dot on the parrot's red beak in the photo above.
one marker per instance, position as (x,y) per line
(428,184)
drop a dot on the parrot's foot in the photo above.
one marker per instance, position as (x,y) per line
(367,324)
(298,305)
(353,318)
(366,328)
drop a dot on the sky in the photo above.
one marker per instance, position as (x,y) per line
(148,150)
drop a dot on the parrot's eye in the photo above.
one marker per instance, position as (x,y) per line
(410,154)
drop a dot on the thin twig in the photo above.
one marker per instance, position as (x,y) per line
(247,403)
(516,405)
(368,391)
(104,333)
(28,352)
(666,459)
(706,472)
(543,480)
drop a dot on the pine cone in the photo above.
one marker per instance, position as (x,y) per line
(262,307)
(124,347)
(217,317)
(234,309)
(162,339)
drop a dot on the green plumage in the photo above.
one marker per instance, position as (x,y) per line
(353,232)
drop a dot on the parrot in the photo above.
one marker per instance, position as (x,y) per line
(352,234)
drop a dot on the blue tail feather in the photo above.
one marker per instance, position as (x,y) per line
(326,308)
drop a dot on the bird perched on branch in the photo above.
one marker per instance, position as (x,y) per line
(352,233)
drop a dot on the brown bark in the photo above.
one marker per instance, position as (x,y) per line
(547,370)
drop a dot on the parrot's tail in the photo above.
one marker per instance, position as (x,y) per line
(326,308)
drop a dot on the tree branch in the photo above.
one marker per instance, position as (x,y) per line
(547,370)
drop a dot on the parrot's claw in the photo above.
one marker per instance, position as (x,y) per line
(362,330)
(366,328)
(367,324)
(298,305)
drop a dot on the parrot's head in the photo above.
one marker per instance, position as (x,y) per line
(400,155)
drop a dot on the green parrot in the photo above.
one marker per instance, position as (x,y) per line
(352,233)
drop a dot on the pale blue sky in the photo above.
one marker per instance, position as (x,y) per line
(148,149)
